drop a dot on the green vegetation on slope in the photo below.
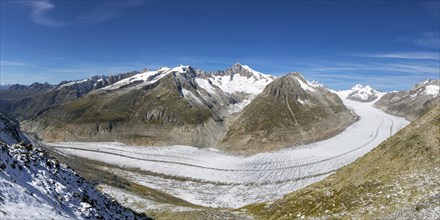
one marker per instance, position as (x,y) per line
(399,178)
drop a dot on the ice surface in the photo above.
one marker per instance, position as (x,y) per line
(72,83)
(149,77)
(305,85)
(214,178)
(204,83)
(190,96)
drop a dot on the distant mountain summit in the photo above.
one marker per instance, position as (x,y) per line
(361,93)
(244,70)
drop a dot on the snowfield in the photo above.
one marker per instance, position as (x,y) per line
(213,178)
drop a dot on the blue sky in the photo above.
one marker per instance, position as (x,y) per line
(389,45)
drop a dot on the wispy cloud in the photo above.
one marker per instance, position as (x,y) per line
(40,9)
(405,55)
(382,75)
(427,40)
(432,8)
(11,63)
(102,11)
(106,10)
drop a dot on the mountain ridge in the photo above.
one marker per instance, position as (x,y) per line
(182,105)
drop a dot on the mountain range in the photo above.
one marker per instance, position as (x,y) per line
(240,110)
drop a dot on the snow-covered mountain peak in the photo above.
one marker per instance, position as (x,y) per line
(432,90)
(181,69)
(241,79)
(246,71)
(317,84)
(363,93)
(428,87)
(4,86)
(360,87)
(163,69)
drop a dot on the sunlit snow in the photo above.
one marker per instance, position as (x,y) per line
(432,90)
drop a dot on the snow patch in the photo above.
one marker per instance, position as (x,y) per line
(305,85)
(204,84)
(238,83)
(73,83)
(432,90)
(190,96)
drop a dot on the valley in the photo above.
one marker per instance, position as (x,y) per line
(213,178)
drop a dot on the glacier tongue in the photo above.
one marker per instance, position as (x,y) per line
(214,178)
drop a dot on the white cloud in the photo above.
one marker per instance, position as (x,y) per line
(429,40)
(405,55)
(99,12)
(106,10)
(11,63)
(38,15)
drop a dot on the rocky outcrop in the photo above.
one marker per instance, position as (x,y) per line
(10,131)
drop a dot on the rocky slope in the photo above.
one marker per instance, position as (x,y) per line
(398,179)
(10,131)
(288,112)
(35,186)
(413,103)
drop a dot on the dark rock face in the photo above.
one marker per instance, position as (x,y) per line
(413,103)
(10,132)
